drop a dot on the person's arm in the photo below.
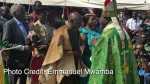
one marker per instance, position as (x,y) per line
(7,37)
(82,42)
(6,33)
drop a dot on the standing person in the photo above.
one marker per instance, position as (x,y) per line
(37,9)
(3,18)
(91,26)
(41,36)
(113,54)
(64,53)
(89,37)
(133,24)
(15,33)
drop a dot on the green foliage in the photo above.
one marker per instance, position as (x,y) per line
(4,44)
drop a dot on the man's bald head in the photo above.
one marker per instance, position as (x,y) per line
(74,15)
(75,19)
(18,11)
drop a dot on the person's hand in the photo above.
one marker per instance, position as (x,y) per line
(83,66)
(35,53)
(5,54)
(42,46)
(94,41)
(27,47)
(82,48)
(31,33)
(83,37)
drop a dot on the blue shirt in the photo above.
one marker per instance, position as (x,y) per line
(141,72)
(21,27)
(90,35)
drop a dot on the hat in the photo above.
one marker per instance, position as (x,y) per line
(110,8)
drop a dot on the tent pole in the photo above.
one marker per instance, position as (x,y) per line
(4,1)
(30,1)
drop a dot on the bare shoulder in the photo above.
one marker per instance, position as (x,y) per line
(61,29)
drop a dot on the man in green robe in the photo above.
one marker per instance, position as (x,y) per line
(113,51)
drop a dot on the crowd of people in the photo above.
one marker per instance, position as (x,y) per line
(43,40)
(137,25)
(138,28)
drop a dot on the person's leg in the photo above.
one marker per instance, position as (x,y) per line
(147,78)
(36,65)
(23,79)
(141,79)
(85,79)
(73,79)
(13,78)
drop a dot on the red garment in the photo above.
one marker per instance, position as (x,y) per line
(107,2)
(36,65)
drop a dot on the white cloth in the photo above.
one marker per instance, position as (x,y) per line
(133,24)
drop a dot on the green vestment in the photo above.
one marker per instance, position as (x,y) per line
(114,52)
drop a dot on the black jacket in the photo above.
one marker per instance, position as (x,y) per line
(13,35)
(2,22)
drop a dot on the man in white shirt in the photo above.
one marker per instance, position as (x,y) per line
(133,24)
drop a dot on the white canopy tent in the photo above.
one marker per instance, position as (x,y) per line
(130,4)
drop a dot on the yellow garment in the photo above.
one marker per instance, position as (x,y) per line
(59,57)
(1,70)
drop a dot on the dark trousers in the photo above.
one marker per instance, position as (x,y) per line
(141,79)
(73,79)
(13,78)
(147,78)
(85,79)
